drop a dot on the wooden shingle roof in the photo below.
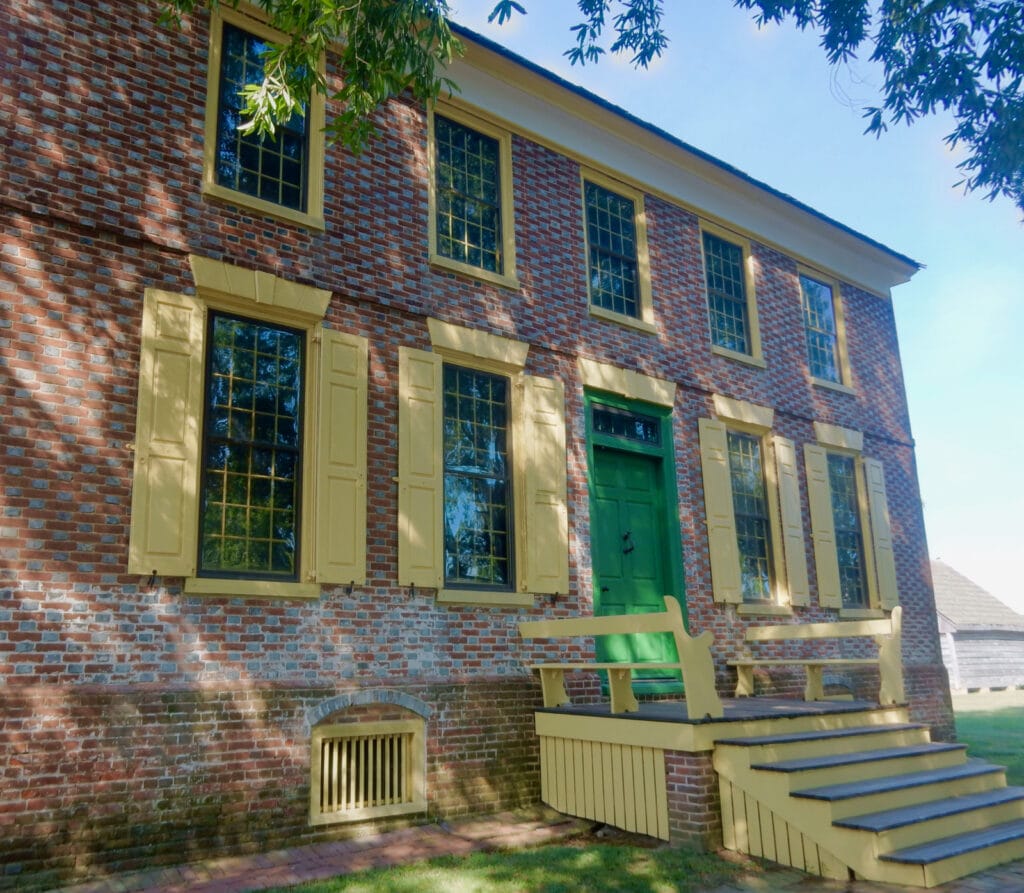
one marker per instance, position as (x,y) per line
(967,606)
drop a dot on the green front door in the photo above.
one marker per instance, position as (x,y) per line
(630,553)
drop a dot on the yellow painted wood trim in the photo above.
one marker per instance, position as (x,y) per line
(474,120)
(748,360)
(479,597)
(542,516)
(643,261)
(832,385)
(836,436)
(626,382)
(621,319)
(251,588)
(791,523)
(758,418)
(720,517)
(754,609)
(217,279)
(455,342)
(838,629)
(340,491)
(165,481)
(823,535)
(313,218)
(420,485)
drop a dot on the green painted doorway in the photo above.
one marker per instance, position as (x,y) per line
(634,530)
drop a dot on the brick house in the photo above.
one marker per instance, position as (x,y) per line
(293,439)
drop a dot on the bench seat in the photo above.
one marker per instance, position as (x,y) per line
(813,689)
(620,681)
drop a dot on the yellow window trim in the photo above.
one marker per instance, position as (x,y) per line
(646,321)
(334,394)
(626,383)
(501,599)
(752,609)
(459,344)
(845,383)
(834,436)
(254,22)
(752,416)
(507,277)
(755,357)
(250,588)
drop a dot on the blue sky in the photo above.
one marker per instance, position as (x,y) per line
(767,102)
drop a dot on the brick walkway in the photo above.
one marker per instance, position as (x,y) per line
(238,874)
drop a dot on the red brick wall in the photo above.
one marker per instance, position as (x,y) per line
(115,685)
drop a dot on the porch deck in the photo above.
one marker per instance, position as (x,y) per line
(839,788)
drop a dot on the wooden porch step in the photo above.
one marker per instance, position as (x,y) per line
(869,786)
(866,764)
(959,844)
(888,819)
(820,734)
(806,744)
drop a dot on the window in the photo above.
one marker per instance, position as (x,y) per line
(853,544)
(471,198)
(482,471)
(279,174)
(842,483)
(752,500)
(750,507)
(367,770)
(618,276)
(732,312)
(252,450)
(244,485)
(477,480)
(826,354)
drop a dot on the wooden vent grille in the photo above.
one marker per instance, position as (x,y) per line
(366,770)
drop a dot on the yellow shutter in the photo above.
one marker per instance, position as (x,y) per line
(721,520)
(881,534)
(164,488)
(823,530)
(420,469)
(341,460)
(545,535)
(792,522)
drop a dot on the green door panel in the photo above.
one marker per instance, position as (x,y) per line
(629,551)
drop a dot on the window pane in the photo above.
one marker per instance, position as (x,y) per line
(630,425)
(611,237)
(251,459)
(842,480)
(468,185)
(727,294)
(274,167)
(820,326)
(477,479)
(750,506)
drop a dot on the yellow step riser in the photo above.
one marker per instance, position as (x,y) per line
(961,866)
(936,829)
(842,809)
(796,750)
(814,778)
(824,723)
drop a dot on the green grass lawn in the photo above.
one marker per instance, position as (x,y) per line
(549,869)
(996,736)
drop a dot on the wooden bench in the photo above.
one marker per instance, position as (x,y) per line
(886,632)
(694,663)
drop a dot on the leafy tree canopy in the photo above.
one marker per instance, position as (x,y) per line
(961,56)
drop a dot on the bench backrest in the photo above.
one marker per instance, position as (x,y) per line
(695,659)
(889,626)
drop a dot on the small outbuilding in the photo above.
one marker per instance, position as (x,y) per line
(982,638)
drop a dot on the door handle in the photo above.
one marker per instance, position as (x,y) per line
(605,589)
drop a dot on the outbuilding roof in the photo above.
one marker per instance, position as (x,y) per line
(967,606)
